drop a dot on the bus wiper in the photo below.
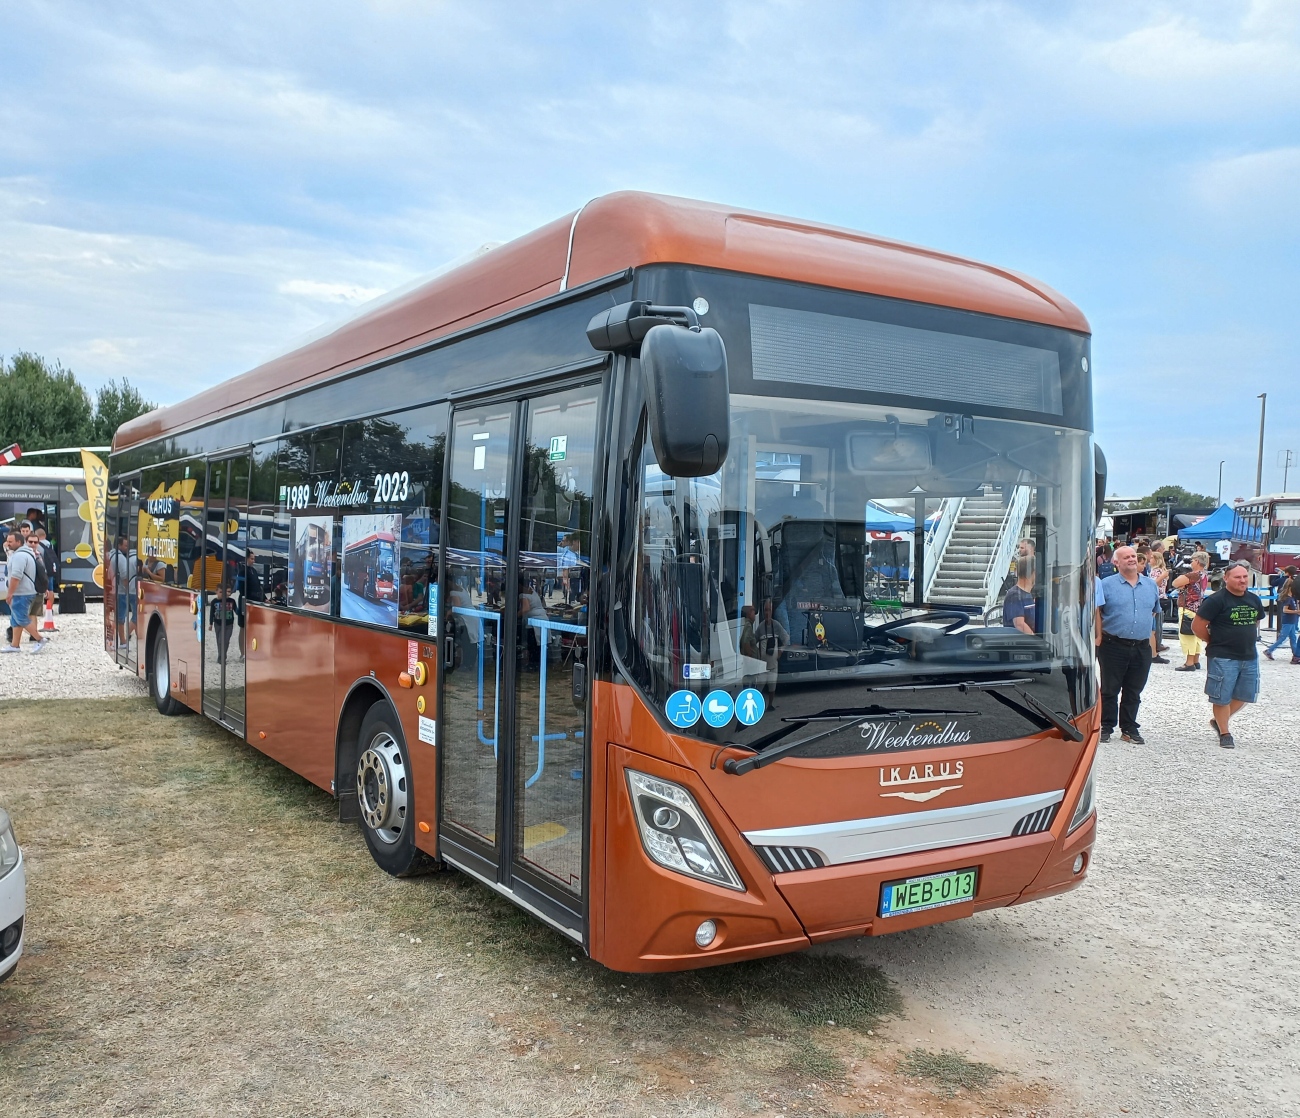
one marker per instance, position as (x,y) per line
(765,756)
(1029,706)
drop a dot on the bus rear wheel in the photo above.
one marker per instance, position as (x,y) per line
(384,793)
(160,678)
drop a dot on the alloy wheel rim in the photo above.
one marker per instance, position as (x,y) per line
(382,788)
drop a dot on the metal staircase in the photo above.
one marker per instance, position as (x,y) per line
(971,566)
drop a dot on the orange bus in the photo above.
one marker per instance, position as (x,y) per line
(642,676)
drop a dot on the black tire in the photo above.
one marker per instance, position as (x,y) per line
(385,794)
(160,676)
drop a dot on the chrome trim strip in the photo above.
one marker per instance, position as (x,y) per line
(856,840)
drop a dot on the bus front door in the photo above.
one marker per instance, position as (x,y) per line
(514,694)
(220,614)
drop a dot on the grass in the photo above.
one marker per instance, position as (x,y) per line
(948,1069)
(204,937)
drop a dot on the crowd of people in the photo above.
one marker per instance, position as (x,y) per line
(1140,584)
(30,569)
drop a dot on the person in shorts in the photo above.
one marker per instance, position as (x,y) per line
(125,572)
(21,594)
(1228,622)
(1192,588)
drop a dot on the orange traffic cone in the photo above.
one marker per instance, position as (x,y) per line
(47,622)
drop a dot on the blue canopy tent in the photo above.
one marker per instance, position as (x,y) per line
(881,519)
(1218,526)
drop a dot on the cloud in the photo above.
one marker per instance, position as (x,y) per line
(189,188)
(1258,187)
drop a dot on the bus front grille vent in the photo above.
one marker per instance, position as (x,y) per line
(787,859)
(1036,821)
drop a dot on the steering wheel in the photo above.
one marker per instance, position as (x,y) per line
(956,619)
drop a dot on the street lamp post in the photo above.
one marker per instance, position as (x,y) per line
(1219,500)
(1259,462)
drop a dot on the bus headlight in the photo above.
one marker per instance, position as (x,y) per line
(675,833)
(8,844)
(1085,806)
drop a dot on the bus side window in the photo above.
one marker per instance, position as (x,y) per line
(269,551)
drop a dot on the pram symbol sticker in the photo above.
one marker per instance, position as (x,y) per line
(718,708)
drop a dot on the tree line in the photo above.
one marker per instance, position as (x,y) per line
(43,405)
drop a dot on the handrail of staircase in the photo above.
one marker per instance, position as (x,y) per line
(1008,539)
(936,539)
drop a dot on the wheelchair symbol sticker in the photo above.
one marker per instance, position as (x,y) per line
(750,706)
(683,709)
(718,708)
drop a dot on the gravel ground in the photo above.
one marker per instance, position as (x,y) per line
(74,666)
(1168,984)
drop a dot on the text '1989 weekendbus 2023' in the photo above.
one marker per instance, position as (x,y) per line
(708,583)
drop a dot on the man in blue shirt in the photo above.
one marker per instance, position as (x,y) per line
(1127,602)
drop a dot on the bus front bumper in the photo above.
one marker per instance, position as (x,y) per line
(651,915)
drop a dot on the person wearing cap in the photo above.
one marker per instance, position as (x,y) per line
(1127,602)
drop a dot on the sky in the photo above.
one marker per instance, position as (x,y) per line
(186,188)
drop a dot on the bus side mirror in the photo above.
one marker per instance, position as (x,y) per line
(1099,480)
(688,399)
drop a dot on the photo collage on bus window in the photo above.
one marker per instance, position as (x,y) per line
(359,508)
(368,591)
(390,551)
(311,562)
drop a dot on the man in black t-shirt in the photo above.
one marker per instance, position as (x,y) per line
(1019,607)
(1228,622)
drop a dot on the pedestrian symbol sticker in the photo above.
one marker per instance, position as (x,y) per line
(683,709)
(718,708)
(750,706)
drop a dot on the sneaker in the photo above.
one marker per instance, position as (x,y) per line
(1159,660)
(1134,737)
(8,648)
(1267,654)
(1214,726)
(1105,735)
(38,646)
(1226,741)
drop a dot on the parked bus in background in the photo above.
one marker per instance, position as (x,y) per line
(636,679)
(55,497)
(1266,532)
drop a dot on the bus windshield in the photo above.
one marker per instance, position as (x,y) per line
(798,572)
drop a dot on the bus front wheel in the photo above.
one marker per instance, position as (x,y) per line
(160,678)
(384,793)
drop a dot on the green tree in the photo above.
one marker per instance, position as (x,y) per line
(115,404)
(1176,496)
(42,406)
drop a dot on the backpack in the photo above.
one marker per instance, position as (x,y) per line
(40,578)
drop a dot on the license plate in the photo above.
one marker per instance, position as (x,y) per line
(932,891)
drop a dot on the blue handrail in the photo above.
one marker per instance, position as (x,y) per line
(546,626)
(486,615)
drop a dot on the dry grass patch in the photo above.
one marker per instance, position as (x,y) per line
(204,938)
